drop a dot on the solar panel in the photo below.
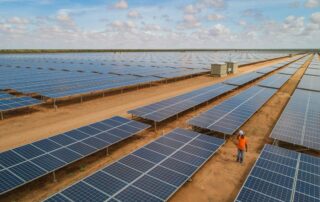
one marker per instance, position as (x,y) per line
(275,81)
(152,173)
(299,122)
(313,72)
(29,162)
(288,71)
(231,114)
(243,79)
(18,102)
(309,82)
(282,175)
(267,70)
(4,95)
(170,107)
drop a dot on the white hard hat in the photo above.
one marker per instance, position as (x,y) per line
(241,132)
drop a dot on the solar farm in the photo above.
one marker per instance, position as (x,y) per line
(159,126)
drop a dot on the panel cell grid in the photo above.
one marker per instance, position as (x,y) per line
(299,122)
(271,180)
(170,107)
(275,81)
(29,162)
(140,177)
(231,114)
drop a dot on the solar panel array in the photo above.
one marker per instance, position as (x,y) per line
(4,95)
(299,123)
(152,173)
(243,79)
(17,102)
(74,74)
(231,114)
(282,175)
(165,109)
(309,82)
(29,162)
(275,81)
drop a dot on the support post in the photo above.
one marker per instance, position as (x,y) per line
(1,115)
(155,126)
(107,151)
(54,176)
(54,104)
(81,99)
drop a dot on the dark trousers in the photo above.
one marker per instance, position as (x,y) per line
(240,155)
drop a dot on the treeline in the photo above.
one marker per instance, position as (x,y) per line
(6,51)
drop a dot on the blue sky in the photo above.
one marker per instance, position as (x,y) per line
(160,24)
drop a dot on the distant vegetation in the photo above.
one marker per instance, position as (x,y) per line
(5,51)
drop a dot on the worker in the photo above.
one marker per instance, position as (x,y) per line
(242,146)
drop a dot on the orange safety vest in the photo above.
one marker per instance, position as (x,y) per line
(242,143)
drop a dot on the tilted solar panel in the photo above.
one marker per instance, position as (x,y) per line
(288,71)
(231,114)
(170,107)
(26,163)
(299,122)
(152,173)
(275,81)
(282,175)
(18,102)
(4,95)
(309,82)
(267,70)
(313,72)
(243,79)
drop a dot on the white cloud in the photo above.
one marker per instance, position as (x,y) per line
(18,21)
(215,17)
(219,30)
(134,14)
(189,22)
(242,23)
(121,4)
(123,25)
(213,3)
(315,18)
(191,9)
(312,3)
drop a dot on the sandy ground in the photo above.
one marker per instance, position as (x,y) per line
(219,180)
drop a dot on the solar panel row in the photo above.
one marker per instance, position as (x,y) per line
(4,95)
(17,102)
(243,79)
(275,81)
(313,72)
(64,75)
(288,71)
(282,175)
(165,109)
(29,162)
(231,114)
(299,122)
(152,173)
(309,82)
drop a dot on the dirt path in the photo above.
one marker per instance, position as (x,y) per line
(214,182)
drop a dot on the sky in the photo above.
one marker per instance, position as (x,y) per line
(159,24)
